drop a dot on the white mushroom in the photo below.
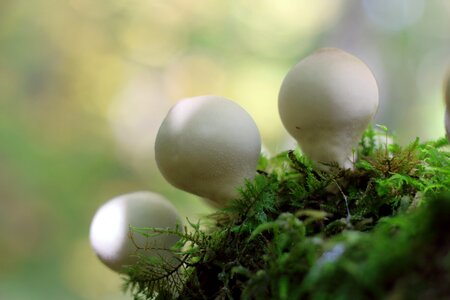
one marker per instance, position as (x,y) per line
(447,105)
(208,146)
(326,102)
(116,245)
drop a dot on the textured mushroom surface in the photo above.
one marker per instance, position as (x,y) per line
(326,102)
(208,146)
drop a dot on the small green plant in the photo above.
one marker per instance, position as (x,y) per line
(297,232)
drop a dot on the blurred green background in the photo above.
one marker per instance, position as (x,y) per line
(84,85)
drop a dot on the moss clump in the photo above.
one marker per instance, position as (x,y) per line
(377,232)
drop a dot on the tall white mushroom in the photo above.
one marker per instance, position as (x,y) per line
(447,104)
(116,245)
(208,146)
(326,102)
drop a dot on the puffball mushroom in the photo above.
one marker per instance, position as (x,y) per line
(208,146)
(114,242)
(326,102)
(447,105)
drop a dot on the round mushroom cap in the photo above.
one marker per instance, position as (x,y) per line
(326,102)
(208,146)
(117,245)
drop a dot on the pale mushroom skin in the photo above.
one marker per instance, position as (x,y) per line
(114,242)
(208,146)
(326,101)
(447,105)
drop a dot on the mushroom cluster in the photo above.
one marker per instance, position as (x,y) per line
(209,146)
(206,145)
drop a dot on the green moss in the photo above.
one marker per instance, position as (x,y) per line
(377,232)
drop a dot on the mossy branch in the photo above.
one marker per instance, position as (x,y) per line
(375,232)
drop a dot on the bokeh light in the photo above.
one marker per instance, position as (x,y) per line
(394,15)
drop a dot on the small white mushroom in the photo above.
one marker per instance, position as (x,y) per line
(447,105)
(208,146)
(116,245)
(326,102)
